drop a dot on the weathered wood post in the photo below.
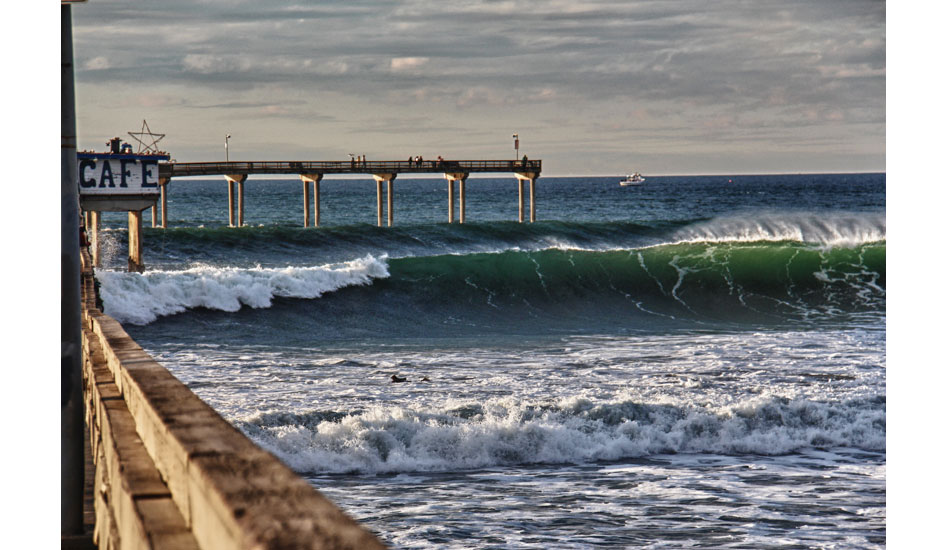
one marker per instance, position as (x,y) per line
(531,197)
(72,464)
(520,200)
(388,178)
(451,201)
(460,177)
(389,202)
(92,232)
(162,182)
(306,202)
(135,241)
(316,200)
(531,177)
(238,179)
(379,203)
(462,200)
(241,203)
(307,179)
(230,203)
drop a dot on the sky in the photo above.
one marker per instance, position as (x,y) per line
(668,87)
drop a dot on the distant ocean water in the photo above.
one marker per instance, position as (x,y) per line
(690,363)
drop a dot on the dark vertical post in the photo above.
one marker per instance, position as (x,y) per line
(379,203)
(316,201)
(520,200)
(72,465)
(462,200)
(135,242)
(451,200)
(94,236)
(531,195)
(230,203)
(241,203)
(389,201)
(306,204)
(162,183)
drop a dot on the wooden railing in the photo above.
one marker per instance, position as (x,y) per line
(180,169)
(172,473)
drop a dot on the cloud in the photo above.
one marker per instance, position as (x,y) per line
(481,64)
(407,63)
(97,63)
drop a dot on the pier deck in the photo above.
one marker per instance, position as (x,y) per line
(183,169)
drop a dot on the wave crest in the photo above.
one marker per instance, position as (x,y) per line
(839,230)
(505,432)
(140,298)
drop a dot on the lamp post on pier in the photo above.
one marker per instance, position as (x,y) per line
(515,137)
(227,157)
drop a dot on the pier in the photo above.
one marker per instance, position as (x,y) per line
(456,173)
(95,171)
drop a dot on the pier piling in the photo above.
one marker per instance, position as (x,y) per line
(306,203)
(307,179)
(135,241)
(451,201)
(462,200)
(238,179)
(389,201)
(520,200)
(531,197)
(388,178)
(460,177)
(379,203)
(162,182)
(531,178)
(92,233)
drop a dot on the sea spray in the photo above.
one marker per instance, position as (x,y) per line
(141,298)
(507,431)
(842,230)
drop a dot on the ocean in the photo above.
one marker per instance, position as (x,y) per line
(695,362)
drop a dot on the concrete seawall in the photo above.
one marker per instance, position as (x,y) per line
(172,473)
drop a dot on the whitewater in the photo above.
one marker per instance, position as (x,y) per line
(684,364)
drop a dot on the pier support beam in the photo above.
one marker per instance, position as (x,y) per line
(306,203)
(92,233)
(307,179)
(531,178)
(238,179)
(135,242)
(388,178)
(162,183)
(451,201)
(520,200)
(460,177)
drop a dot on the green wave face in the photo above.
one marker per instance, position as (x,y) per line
(697,281)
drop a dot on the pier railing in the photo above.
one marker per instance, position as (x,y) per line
(181,169)
(171,473)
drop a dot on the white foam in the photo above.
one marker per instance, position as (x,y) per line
(140,298)
(508,431)
(827,230)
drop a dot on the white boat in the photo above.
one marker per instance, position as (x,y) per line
(633,179)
